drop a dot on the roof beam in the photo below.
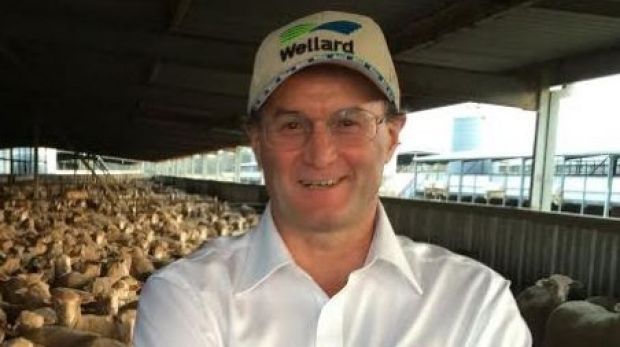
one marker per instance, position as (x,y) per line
(455,16)
(449,86)
(579,67)
(210,81)
(606,8)
(198,51)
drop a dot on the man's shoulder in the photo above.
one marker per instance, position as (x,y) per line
(433,262)
(220,258)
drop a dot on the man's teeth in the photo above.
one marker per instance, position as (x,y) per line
(321,183)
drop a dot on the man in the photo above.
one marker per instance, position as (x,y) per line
(324,267)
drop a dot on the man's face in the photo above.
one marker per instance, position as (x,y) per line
(324,186)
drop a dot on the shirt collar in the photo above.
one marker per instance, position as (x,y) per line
(386,246)
(267,252)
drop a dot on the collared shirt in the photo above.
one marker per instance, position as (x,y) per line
(248,291)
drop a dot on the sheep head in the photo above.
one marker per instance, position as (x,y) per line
(126,321)
(67,305)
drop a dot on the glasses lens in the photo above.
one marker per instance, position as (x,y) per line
(353,126)
(287,131)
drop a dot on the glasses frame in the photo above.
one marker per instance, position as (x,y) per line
(260,122)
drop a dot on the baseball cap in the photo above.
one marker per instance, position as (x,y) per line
(329,37)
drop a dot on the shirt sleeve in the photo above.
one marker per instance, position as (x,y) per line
(170,314)
(500,323)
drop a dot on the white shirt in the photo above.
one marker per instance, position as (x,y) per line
(248,291)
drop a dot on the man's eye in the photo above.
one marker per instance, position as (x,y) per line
(291,125)
(347,123)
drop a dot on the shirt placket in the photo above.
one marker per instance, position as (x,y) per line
(329,327)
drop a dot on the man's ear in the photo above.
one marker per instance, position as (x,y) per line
(394,125)
(253,133)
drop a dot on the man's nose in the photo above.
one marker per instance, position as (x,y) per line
(320,149)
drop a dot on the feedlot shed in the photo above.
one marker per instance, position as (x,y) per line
(155,79)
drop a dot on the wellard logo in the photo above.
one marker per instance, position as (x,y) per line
(343,27)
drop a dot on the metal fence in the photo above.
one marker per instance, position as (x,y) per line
(520,244)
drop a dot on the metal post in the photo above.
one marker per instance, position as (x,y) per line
(11,169)
(583,192)
(36,161)
(415,177)
(489,179)
(238,164)
(218,166)
(459,196)
(75,164)
(610,181)
(36,171)
(505,187)
(544,149)
(473,195)
(448,183)
(522,181)
(562,183)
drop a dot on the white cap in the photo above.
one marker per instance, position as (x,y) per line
(329,37)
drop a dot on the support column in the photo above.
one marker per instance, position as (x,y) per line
(613,159)
(36,161)
(562,184)
(459,196)
(415,177)
(238,164)
(11,169)
(218,166)
(543,171)
(522,181)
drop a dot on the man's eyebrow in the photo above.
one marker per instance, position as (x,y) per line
(283,111)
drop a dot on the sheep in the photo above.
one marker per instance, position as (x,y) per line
(581,323)
(68,309)
(78,280)
(3,324)
(48,314)
(28,321)
(18,342)
(26,289)
(60,336)
(609,303)
(126,322)
(537,302)
(141,266)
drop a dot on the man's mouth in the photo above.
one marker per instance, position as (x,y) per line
(318,184)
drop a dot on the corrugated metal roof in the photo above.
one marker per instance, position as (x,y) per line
(252,21)
(518,38)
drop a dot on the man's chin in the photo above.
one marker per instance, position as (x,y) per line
(323,220)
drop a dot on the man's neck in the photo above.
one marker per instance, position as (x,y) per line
(330,256)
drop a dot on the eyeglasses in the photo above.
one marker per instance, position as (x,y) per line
(348,127)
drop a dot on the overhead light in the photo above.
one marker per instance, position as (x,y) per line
(557,88)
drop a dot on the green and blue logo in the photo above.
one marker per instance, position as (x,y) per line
(344,27)
(315,43)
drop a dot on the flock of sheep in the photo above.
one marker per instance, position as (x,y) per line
(559,314)
(73,261)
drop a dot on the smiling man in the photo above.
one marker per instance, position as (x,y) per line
(324,267)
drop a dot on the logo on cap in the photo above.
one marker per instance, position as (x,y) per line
(315,43)
(344,27)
